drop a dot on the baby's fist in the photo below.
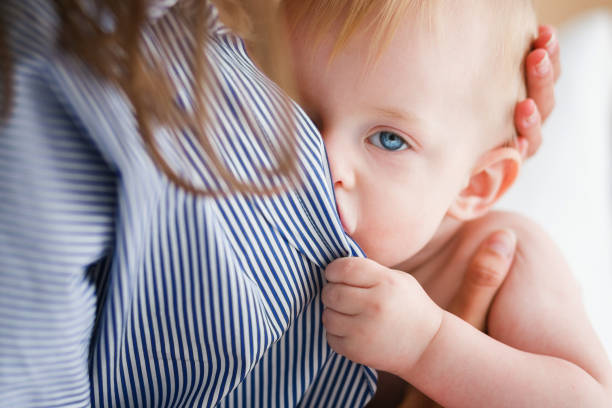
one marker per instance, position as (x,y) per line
(377,316)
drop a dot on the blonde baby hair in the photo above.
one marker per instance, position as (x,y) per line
(510,29)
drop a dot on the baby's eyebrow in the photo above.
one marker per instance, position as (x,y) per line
(411,119)
(407,116)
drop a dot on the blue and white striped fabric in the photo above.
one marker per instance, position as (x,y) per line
(119,289)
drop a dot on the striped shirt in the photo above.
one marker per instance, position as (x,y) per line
(118,288)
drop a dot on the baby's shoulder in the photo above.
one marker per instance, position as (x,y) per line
(539,278)
(537,261)
(527,231)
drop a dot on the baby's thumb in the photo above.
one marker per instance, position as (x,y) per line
(486,272)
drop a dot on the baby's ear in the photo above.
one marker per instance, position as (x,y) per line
(494,173)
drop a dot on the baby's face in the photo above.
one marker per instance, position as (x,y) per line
(401,136)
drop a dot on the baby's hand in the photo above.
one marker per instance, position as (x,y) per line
(377,316)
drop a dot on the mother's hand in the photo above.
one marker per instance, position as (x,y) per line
(486,273)
(542,68)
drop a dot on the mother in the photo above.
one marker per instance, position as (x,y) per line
(161,241)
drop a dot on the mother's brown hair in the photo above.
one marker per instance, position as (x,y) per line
(117,54)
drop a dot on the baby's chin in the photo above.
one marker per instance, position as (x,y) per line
(376,250)
(391,250)
(377,245)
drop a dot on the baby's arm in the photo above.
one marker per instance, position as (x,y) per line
(541,350)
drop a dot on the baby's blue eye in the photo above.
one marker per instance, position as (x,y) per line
(388,141)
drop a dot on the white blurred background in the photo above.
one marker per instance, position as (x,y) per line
(567,186)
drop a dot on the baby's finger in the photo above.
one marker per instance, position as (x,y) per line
(338,343)
(547,39)
(358,272)
(348,347)
(529,125)
(342,298)
(486,273)
(336,323)
(541,81)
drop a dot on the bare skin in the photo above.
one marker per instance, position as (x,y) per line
(542,69)
(537,328)
(471,300)
(485,274)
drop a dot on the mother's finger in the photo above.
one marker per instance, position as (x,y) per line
(547,39)
(485,274)
(529,126)
(541,80)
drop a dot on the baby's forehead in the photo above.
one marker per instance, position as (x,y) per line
(480,43)
(495,37)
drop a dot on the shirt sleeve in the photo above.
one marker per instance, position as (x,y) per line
(57,218)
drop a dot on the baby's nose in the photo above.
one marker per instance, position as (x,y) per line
(341,167)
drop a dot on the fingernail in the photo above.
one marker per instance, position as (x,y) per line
(543,67)
(530,120)
(503,243)
(550,42)
(533,116)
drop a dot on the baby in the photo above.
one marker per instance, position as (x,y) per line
(420,139)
